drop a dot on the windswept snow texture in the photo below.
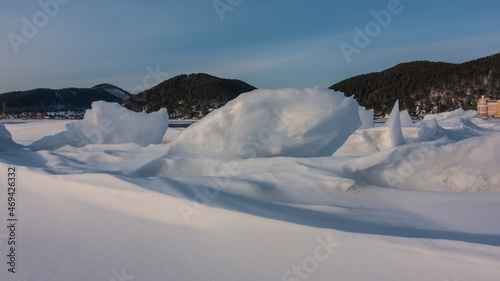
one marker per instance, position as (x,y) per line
(453,114)
(183,209)
(468,165)
(5,136)
(109,123)
(6,142)
(268,123)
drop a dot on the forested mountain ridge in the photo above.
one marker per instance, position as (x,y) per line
(188,96)
(424,87)
(51,100)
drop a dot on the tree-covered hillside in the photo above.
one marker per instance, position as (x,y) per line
(188,96)
(426,87)
(50,100)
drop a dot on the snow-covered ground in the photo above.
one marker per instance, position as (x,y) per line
(253,192)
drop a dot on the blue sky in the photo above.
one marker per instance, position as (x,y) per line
(269,44)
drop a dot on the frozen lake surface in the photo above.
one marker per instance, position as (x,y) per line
(186,209)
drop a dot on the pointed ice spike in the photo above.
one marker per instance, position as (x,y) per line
(394,124)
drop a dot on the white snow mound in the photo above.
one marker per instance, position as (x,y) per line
(470,165)
(109,123)
(452,114)
(290,122)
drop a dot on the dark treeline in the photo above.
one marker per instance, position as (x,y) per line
(49,100)
(188,96)
(426,87)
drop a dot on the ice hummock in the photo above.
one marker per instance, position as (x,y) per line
(469,165)
(366,118)
(405,118)
(109,123)
(458,113)
(430,131)
(412,210)
(307,122)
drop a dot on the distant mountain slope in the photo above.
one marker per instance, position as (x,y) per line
(426,87)
(69,99)
(188,96)
(113,90)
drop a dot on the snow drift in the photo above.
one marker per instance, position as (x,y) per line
(84,212)
(453,114)
(6,142)
(470,165)
(430,131)
(461,128)
(109,123)
(267,123)
(5,136)
(399,131)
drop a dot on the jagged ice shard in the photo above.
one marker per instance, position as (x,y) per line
(394,124)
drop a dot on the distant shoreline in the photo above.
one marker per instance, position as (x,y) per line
(173,123)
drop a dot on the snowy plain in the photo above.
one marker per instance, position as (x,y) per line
(286,184)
